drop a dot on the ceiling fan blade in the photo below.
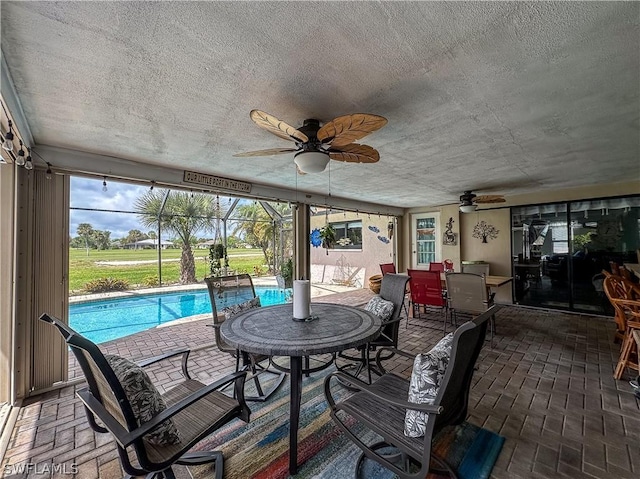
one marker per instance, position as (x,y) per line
(269,152)
(353,153)
(277,127)
(349,128)
(490,199)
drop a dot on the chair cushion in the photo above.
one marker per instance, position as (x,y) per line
(428,371)
(380,307)
(144,398)
(235,309)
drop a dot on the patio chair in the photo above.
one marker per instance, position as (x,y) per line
(479,268)
(436,267)
(427,292)
(629,350)
(392,289)
(391,268)
(468,294)
(152,431)
(387,268)
(231,295)
(382,406)
(616,287)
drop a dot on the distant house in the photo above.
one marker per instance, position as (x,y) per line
(149,244)
(206,244)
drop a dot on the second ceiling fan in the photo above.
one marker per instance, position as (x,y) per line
(469,201)
(316,145)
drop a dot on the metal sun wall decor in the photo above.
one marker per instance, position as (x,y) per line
(484,230)
(316,240)
(449,238)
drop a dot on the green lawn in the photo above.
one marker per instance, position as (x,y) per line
(83,268)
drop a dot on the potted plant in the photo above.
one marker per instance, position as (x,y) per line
(328,236)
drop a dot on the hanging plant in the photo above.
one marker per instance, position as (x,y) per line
(328,236)
(216,253)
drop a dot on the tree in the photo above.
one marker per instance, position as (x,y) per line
(85,230)
(184,215)
(484,230)
(258,228)
(136,235)
(102,239)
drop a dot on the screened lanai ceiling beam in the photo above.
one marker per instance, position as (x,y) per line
(82,163)
(271,211)
(231,208)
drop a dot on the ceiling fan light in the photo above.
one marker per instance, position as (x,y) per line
(311,161)
(468,208)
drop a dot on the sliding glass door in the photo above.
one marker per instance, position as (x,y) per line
(561,249)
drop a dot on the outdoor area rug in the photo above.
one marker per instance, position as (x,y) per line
(260,449)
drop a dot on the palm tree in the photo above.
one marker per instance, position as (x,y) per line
(258,227)
(184,214)
(85,230)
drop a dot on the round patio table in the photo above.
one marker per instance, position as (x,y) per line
(271,330)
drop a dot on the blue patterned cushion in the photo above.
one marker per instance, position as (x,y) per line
(380,307)
(428,371)
(235,309)
(144,398)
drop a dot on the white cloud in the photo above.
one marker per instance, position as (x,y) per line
(87,193)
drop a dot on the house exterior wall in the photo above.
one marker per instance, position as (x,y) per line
(328,266)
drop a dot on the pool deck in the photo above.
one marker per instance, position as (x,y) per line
(546,385)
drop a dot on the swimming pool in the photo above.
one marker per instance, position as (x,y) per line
(109,319)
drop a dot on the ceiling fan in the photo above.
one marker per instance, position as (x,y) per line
(316,144)
(469,201)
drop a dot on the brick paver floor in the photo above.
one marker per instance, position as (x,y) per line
(546,385)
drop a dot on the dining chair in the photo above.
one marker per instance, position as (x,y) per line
(391,407)
(616,287)
(436,267)
(479,268)
(152,431)
(426,292)
(629,350)
(467,294)
(387,268)
(230,295)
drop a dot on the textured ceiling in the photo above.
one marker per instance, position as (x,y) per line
(497,97)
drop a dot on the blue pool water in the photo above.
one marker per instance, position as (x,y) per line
(109,319)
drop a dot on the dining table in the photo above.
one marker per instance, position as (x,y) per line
(492,281)
(272,330)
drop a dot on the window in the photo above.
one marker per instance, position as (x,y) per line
(559,237)
(348,235)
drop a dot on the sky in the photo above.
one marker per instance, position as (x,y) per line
(87,193)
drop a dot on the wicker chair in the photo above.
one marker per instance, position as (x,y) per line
(230,290)
(392,289)
(630,310)
(195,409)
(382,405)
(616,287)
